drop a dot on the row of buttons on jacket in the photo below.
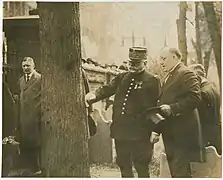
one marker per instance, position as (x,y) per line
(126,96)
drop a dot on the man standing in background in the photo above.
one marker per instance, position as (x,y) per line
(209,110)
(30,115)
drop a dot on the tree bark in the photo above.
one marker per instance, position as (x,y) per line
(215,33)
(198,36)
(64,120)
(207,56)
(181,29)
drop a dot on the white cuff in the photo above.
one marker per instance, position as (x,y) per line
(155,133)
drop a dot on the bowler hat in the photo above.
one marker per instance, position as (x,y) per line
(137,54)
(154,114)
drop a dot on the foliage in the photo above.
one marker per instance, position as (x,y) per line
(154,167)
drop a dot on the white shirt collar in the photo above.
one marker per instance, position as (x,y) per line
(29,75)
(174,67)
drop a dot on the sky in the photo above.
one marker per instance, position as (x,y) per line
(153,20)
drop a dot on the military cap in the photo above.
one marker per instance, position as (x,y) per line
(137,54)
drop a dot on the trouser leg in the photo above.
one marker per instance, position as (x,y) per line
(124,157)
(179,162)
(142,153)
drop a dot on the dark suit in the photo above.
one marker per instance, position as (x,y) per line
(29,124)
(133,95)
(209,111)
(181,130)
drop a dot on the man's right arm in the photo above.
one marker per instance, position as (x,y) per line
(104,91)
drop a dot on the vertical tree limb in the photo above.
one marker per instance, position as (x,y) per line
(207,56)
(214,32)
(181,29)
(198,36)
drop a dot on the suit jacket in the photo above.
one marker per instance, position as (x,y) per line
(134,93)
(30,110)
(182,129)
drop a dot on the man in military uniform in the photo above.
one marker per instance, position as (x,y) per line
(135,91)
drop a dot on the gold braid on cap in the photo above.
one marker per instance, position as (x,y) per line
(138,53)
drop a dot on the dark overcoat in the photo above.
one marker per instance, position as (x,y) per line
(182,129)
(134,93)
(30,110)
(209,111)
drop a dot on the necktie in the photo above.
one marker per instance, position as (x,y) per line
(27,78)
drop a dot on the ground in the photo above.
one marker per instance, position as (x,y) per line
(112,170)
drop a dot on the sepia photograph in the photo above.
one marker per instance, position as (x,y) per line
(109,89)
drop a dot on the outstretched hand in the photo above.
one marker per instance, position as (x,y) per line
(89,97)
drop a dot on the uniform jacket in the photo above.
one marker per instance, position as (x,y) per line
(133,95)
(182,129)
(30,109)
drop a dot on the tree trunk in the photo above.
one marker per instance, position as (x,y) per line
(207,56)
(181,30)
(64,121)
(214,31)
(198,37)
